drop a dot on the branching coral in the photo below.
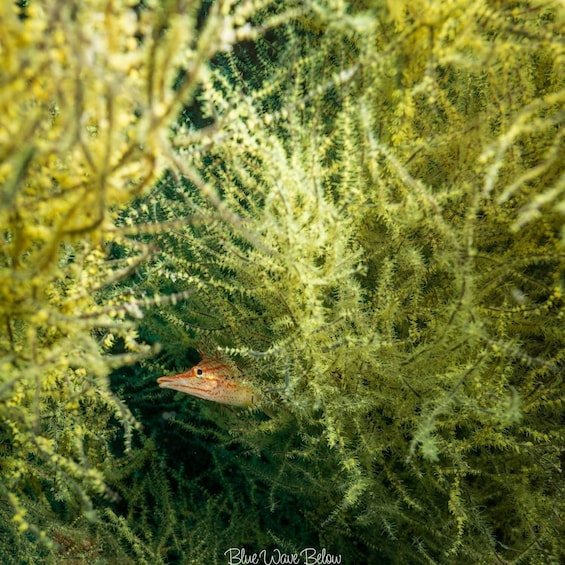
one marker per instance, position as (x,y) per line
(360,205)
(390,259)
(88,93)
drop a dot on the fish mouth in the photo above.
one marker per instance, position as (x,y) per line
(161,380)
(188,386)
(173,383)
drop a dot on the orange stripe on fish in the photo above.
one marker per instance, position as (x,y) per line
(212,380)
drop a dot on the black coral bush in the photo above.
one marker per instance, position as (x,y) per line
(360,206)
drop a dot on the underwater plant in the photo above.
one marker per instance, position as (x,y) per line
(357,205)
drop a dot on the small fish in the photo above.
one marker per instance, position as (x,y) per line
(212,380)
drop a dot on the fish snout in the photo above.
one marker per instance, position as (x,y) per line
(175,382)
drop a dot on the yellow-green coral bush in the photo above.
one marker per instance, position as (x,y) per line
(390,242)
(88,91)
(361,204)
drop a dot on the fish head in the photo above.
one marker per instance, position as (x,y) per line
(210,380)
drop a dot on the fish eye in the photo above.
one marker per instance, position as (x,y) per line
(199,371)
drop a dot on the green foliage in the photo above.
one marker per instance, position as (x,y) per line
(362,205)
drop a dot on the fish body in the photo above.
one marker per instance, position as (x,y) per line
(212,380)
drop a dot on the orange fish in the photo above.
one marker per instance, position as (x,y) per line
(212,380)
